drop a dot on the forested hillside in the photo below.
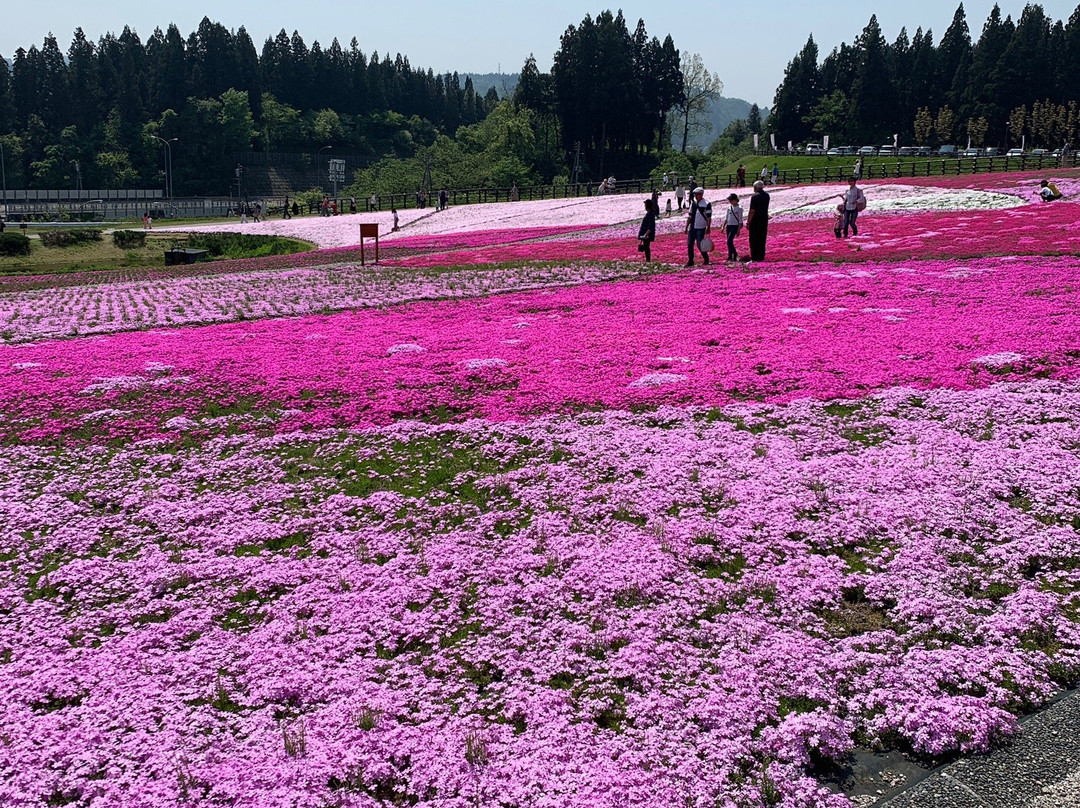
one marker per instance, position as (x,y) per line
(1020,80)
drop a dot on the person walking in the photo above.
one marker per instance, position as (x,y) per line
(698,225)
(740,177)
(647,232)
(854,201)
(764,174)
(680,194)
(775,174)
(733,221)
(285,214)
(393,212)
(757,221)
(856,170)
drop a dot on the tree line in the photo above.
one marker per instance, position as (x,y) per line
(1020,81)
(91,115)
(97,114)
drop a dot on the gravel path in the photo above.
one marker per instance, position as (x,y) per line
(1040,769)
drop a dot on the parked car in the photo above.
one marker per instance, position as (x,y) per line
(992,151)
(1014,153)
(924,151)
(908,151)
(1040,153)
(848,150)
(814,149)
(947,151)
(887,151)
(867,151)
(971,152)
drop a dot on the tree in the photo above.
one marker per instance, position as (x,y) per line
(753,120)
(700,88)
(923,126)
(977,129)
(945,124)
(873,96)
(830,116)
(797,95)
(1017,124)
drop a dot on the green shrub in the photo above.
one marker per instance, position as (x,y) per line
(69,238)
(129,239)
(14,244)
(243,245)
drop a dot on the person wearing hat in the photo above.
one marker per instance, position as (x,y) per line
(698,224)
(733,220)
(757,221)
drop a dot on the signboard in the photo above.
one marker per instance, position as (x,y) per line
(337,171)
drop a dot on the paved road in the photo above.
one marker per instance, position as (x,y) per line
(1039,769)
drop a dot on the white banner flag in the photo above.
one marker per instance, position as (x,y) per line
(789,148)
(825,143)
(896,141)
(756,142)
(772,141)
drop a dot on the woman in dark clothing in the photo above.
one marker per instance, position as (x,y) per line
(647,232)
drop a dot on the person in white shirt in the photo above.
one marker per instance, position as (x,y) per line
(854,201)
(698,224)
(733,221)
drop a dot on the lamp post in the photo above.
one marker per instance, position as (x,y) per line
(318,162)
(3,174)
(168,163)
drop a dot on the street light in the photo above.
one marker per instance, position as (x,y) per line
(318,159)
(168,163)
(3,174)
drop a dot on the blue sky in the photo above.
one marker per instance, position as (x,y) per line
(747,44)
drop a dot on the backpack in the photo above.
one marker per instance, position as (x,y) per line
(860,203)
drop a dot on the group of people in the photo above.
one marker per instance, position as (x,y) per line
(699,225)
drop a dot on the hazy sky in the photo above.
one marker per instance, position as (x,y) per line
(748,44)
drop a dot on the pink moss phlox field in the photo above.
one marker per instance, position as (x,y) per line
(796,331)
(670,608)
(106,308)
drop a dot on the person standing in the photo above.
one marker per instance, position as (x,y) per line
(764,174)
(775,174)
(373,203)
(854,201)
(514,194)
(856,170)
(654,201)
(680,194)
(352,204)
(667,179)
(740,177)
(647,232)
(757,221)
(733,220)
(285,209)
(698,225)
(393,212)
(444,199)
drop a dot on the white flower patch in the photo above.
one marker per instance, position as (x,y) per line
(522,324)
(999,359)
(311,337)
(481,364)
(658,379)
(25,365)
(157,368)
(673,360)
(104,415)
(798,311)
(405,348)
(180,424)
(104,385)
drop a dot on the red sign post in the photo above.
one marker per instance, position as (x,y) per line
(369,231)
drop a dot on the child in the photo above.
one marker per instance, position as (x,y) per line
(667,211)
(393,210)
(838,220)
(1049,192)
(733,221)
(647,232)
